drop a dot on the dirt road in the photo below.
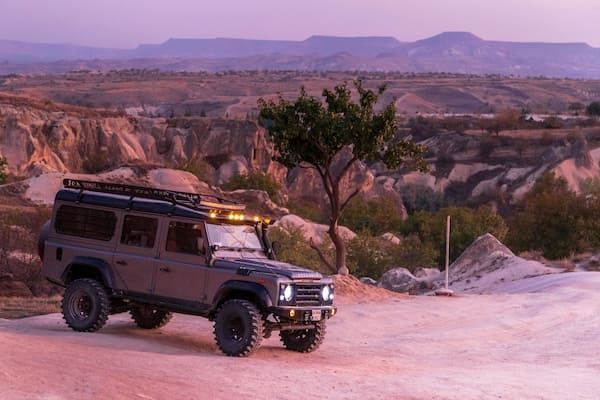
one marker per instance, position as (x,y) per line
(501,346)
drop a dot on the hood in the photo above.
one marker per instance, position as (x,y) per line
(246,266)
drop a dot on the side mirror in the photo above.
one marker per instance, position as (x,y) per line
(276,246)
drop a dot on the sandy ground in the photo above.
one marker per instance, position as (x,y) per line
(538,342)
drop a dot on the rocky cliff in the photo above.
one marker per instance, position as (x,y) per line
(40,136)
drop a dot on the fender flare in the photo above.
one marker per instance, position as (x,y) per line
(96,264)
(253,288)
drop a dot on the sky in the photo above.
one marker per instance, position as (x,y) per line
(128,23)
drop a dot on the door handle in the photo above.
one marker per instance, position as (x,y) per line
(121,262)
(165,269)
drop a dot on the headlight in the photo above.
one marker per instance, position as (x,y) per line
(327,293)
(286,293)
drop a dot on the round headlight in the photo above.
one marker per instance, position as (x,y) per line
(325,292)
(288,293)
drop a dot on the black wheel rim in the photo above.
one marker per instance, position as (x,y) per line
(235,329)
(80,305)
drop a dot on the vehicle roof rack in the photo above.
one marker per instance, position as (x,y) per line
(192,200)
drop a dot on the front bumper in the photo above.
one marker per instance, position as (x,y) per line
(305,314)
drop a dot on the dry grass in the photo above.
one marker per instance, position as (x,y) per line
(21,307)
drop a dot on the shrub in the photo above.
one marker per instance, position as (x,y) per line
(378,216)
(253,180)
(466,225)
(309,208)
(197,167)
(295,249)
(593,108)
(3,165)
(421,198)
(372,256)
(555,220)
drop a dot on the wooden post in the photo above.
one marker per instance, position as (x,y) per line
(446,291)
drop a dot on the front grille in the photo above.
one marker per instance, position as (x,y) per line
(308,295)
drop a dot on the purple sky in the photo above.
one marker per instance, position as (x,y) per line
(127,23)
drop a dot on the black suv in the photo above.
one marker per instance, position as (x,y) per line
(152,252)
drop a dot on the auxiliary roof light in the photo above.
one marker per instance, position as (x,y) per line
(212,214)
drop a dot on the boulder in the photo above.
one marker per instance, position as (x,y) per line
(399,280)
(317,232)
(368,281)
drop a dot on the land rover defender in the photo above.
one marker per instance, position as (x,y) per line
(153,252)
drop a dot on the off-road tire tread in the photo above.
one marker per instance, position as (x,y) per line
(101,298)
(158,320)
(256,326)
(292,339)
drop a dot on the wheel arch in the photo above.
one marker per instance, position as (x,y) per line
(251,291)
(88,267)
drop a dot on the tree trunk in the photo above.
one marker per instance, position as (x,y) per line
(340,248)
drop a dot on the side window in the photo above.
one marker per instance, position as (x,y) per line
(85,222)
(185,238)
(139,231)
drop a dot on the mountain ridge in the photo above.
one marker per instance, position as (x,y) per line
(453,52)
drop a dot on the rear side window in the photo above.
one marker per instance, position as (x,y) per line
(85,222)
(139,231)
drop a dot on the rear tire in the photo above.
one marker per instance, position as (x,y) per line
(149,317)
(304,340)
(238,328)
(85,305)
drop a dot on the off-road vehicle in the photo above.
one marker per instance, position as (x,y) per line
(151,252)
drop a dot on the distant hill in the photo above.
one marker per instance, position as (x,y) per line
(453,52)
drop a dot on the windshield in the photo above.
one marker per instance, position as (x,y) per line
(233,237)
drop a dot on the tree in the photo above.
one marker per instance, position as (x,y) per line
(313,134)
(554,220)
(3,164)
(593,108)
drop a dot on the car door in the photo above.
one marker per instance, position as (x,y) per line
(182,266)
(134,260)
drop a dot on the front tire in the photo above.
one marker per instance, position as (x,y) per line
(304,340)
(238,328)
(85,305)
(148,317)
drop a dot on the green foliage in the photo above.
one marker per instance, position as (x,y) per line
(422,198)
(308,208)
(372,256)
(466,225)
(552,122)
(308,131)
(198,167)
(593,108)
(296,250)
(253,180)
(378,216)
(3,165)
(555,220)
(369,255)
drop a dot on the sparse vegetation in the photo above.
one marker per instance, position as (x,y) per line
(253,180)
(593,108)
(467,224)
(198,167)
(555,220)
(3,166)
(377,216)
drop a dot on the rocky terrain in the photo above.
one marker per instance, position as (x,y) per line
(38,136)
